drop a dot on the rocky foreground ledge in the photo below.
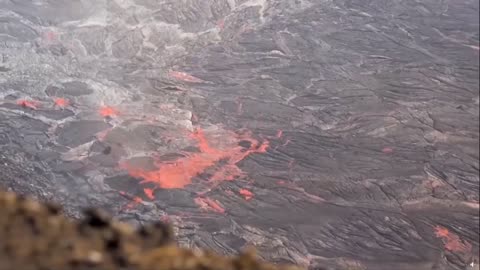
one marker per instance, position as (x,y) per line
(36,235)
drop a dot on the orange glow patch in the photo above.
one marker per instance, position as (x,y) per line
(61,102)
(134,200)
(178,174)
(31,104)
(441,231)
(451,241)
(107,111)
(149,193)
(263,147)
(247,194)
(209,204)
(182,76)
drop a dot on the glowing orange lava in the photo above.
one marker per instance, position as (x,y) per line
(180,173)
(134,200)
(209,204)
(107,111)
(32,104)
(61,102)
(149,193)
(247,194)
(451,241)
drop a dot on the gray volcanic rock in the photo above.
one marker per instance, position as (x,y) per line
(341,134)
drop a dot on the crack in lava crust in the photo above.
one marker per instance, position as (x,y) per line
(180,173)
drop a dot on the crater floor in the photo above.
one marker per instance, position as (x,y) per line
(341,134)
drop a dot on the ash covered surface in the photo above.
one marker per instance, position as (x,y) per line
(341,134)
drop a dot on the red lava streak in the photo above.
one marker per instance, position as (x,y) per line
(28,104)
(247,194)
(149,193)
(179,173)
(209,204)
(107,111)
(61,102)
(134,200)
(451,241)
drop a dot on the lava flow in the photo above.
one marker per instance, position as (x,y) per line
(451,241)
(209,204)
(61,102)
(180,173)
(107,111)
(247,194)
(31,104)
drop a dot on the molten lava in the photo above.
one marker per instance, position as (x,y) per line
(107,111)
(31,104)
(209,204)
(149,193)
(179,173)
(247,194)
(61,102)
(134,200)
(451,241)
